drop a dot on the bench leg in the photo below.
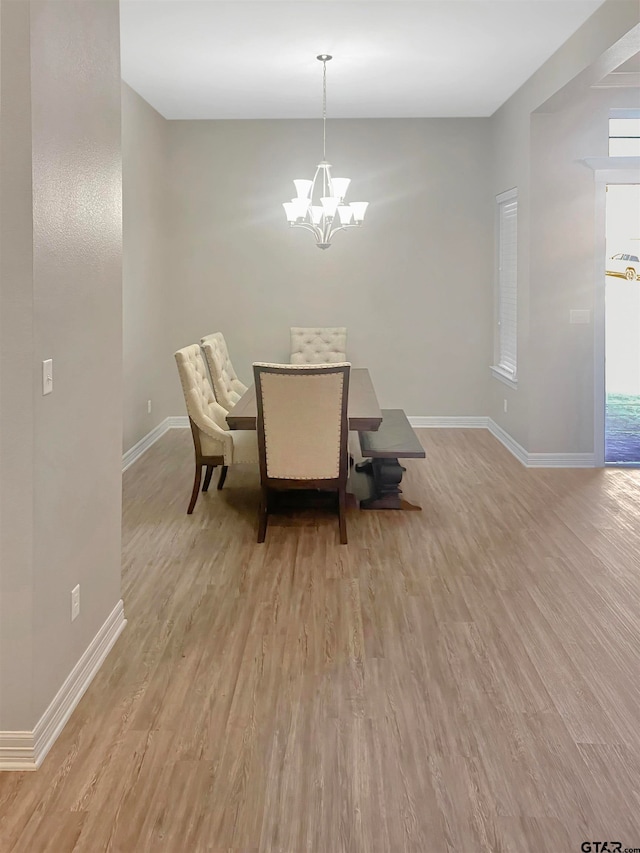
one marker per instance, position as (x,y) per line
(387,476)
(365,467)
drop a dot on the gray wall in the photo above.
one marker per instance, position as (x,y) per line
(552,408)
(413,286)
(61,299)
(562,264)
(16,370)
(145,280)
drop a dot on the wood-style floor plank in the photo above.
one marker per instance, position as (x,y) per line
(461,679)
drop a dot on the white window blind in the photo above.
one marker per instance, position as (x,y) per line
(624,136)
(507,313)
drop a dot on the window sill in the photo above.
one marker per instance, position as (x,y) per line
(503,376)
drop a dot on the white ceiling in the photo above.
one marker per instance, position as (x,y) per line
(239,59)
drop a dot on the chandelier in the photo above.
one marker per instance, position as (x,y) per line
(319,205)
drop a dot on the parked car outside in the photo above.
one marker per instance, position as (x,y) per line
(623,264)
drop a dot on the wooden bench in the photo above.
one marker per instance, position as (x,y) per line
(394,440)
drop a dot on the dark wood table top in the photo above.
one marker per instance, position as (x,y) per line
(363,409)
(394,440)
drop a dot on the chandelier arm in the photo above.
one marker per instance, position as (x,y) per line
(313,185)
(308,227)
(342,228)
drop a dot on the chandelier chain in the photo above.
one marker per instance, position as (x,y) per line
(324,109)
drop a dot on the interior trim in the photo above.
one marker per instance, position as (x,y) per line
(540,460)
(26,750)
(134,453)
(456,422)
(529,460)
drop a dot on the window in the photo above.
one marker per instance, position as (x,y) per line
(506,337)
(624,135)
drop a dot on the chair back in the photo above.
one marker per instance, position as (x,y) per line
(302,422)
(226,386)
(201,404)
(319,345)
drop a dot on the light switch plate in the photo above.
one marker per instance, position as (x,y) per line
(75,602)
(47,376)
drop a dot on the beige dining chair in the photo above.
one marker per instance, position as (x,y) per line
(226,386)
(214,443)
(318,345)
(302,432)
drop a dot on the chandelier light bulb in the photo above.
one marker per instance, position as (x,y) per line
(300,205)
(289,209)
(345,213)
(359,209)
(339,187)
(329,205)
(319,205)
(303,188)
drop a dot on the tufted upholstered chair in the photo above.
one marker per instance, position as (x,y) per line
(302,431)
(214,443)
(318,346)
(226,386)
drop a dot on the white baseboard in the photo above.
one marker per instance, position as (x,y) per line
(179,422)
(134,453)
(510,443)
(16,751)
(462,422)
(561,460)
(540,460)
(27,750)
(529,460)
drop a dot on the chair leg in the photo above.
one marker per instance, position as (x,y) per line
(262,518)
(342,515)
(196,488)
(207,477)
(223,476)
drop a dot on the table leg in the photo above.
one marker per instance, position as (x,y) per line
(387,476)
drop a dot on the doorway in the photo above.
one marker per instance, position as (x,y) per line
(622,326)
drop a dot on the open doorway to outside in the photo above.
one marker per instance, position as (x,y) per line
(622,325)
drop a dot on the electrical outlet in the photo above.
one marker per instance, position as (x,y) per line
(148,407)
(47,376)
(75,602)
(579,315)
(505,405)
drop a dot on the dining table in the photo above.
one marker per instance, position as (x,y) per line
(375,482)
(363,411)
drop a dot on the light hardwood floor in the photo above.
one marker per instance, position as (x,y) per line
(462,679)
